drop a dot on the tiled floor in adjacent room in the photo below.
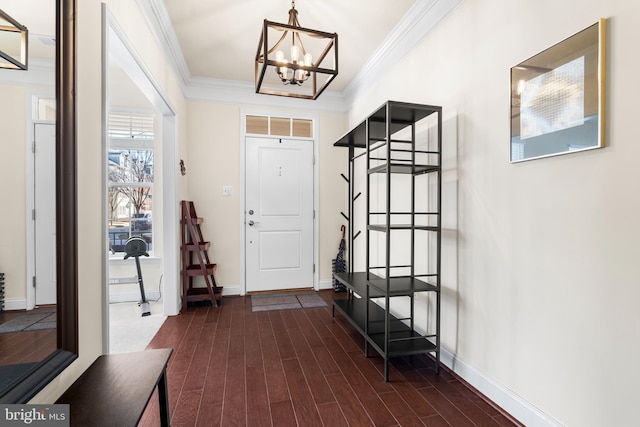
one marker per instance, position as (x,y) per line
(300,368)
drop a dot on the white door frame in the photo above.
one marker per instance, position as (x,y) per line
(243,140)
(117,45)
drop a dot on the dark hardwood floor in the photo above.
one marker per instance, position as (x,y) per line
(26,346)
(232,367)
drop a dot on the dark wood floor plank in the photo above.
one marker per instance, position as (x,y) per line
(210,415)
(253,350)
(199,366)
(282,414)
(216,374)
(315,378)
(446,409)
(436,421)
(234,407)
(368,369)
(400,410)
(186,411)
(325,361)
(258,410)
(303,404)
(331,415)
(475,398)
(378,413)
(414,399)
(274,374)
(310,334)
(466,406)
(285,348)
(352,408)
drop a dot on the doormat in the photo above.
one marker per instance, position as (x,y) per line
(270,302)
(34,320)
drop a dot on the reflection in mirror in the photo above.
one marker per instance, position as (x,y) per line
(13,43)
(38,322)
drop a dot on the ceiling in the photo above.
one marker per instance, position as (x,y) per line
(212,43)
(219,38)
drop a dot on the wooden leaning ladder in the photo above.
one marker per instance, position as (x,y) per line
(193,243)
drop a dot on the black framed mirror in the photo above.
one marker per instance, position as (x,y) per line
(29,384)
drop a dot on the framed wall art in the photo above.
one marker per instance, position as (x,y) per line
(558,98)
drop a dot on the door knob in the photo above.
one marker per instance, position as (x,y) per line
(252,223)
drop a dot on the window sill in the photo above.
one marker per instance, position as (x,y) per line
(119,259)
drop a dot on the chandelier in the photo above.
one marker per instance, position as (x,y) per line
(302,60)
(13,43)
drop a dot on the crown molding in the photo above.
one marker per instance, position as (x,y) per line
(414,27)
(40,73)
(416,24)
(157,17)
(239,92)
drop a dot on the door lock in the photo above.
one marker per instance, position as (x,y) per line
(250,211)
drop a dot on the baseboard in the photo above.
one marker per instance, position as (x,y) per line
(151,295)
(517,407)
(506,399)
(15,304)
(325,284)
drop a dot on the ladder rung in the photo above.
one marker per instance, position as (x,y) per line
(196,270)
(203,246)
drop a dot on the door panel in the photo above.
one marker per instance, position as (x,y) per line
(279,219)
(45,213)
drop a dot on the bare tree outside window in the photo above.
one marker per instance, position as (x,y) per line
(131,168)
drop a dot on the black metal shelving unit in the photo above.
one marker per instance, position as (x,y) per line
(397,139)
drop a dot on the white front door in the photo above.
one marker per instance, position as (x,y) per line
(279,214)
(45,213)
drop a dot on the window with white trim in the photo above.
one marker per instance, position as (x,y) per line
(130,166)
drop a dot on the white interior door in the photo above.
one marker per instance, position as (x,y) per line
(45,213)
(279,214)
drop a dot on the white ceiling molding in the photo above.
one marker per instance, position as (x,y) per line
(414,27)
(159,22)
(40,73)
(238,92)
(422,17)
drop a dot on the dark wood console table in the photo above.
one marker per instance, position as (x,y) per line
(116,388)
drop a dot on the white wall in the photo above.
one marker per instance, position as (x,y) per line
(540,258)
(13,249)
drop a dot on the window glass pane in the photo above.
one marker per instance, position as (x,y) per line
(302,128)
(130,168)
(46,109)
(258,124)
(128,220)
(280,126)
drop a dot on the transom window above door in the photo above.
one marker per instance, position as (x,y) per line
(279,126)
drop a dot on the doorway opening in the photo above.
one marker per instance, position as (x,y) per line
(141,202)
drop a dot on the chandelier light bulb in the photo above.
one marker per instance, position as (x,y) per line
(295,54)
(308,60)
